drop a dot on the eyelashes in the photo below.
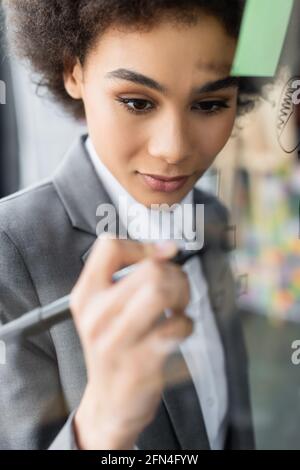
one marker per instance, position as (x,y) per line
(209,107)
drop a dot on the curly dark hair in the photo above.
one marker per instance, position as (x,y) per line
(52,34)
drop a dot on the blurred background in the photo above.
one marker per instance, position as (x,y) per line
(257,176)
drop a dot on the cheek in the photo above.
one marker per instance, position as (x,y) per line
(111,130)
(104,113)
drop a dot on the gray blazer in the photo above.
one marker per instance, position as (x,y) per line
(46,233)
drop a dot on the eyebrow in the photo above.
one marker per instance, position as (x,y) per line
(140,79)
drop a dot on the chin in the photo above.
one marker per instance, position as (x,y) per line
(162,198)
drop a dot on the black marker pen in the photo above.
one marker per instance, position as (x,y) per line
(42,318)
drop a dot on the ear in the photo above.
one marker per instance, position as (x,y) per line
(73,80)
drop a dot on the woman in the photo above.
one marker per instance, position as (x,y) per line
(151,80)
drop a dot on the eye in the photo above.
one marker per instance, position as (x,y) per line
(139,106)
(212,106)
(135,105)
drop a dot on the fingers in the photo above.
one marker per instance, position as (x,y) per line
(168,334)
(160,348)
(127,310)
(107,257)
(112,255)
(165,286)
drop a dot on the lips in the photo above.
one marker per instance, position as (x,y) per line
(167,178)
(163,183)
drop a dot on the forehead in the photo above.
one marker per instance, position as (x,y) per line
(168,48)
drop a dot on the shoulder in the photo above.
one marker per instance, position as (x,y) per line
(33,197)
(35,235)
(28,212)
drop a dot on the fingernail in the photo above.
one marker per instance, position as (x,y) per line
(166,248)
(107,236)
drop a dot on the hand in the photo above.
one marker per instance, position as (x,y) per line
(124,344)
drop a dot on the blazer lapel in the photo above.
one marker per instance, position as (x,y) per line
(186,415)
(215,264)
(222,293)
(182,401)
(80,189)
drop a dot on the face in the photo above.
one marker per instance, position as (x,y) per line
(159,104)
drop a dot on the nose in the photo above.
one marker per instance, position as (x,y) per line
(170,141)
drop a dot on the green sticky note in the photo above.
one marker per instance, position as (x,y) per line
(262,35)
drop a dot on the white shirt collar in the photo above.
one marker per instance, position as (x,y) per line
(117,192)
